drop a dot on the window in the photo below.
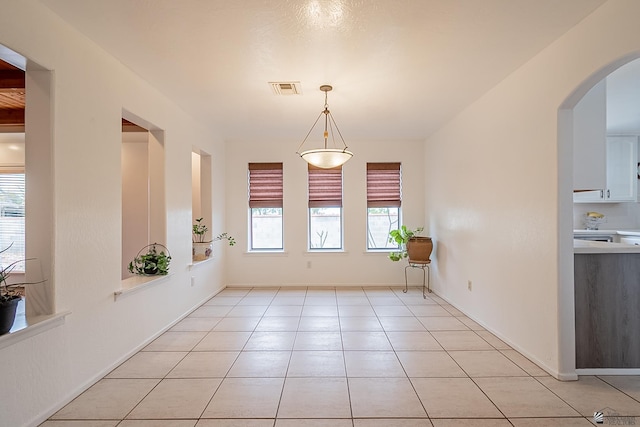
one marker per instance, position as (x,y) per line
(12,219)
(325,208)
(383,203)
(265,205)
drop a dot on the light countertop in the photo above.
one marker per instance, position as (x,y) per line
(591,247)
(607,232)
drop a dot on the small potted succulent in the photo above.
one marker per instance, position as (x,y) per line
(415,248)
(154,262)
(202,248)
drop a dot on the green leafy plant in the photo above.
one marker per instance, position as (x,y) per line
(9,292)
(199,231)
(401,236)
(151,263)
(225,236)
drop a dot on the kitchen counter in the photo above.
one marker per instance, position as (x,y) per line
(590,247)
(607,297)
(581,246)
(607,232)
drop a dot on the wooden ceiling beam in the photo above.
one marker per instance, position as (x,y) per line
(11,116)
(12,79)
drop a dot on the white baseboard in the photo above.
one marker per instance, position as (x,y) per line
(562,376)
(608,371)
(319,285)
(36,421)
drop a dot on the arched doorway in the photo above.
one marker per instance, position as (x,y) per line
(566,304)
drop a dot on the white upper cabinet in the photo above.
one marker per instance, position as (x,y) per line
(622,171)
(589,135)
(604,168)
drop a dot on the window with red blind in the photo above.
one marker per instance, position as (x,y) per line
(325,187)
(265,185)
(383,185)
(265,206)
(384,198)
(325,208)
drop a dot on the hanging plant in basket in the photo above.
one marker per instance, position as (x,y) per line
(152,260)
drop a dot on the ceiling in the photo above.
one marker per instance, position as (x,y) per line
(11,94)
(399,68)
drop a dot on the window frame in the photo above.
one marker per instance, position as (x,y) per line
(324,190)
(264,196)
(384,190)
(19,267)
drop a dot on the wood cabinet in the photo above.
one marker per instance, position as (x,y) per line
(607,297)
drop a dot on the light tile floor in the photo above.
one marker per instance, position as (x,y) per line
(339,357)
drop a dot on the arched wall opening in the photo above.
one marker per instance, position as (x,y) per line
(566,290)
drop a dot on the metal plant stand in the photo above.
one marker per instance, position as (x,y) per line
(426,276)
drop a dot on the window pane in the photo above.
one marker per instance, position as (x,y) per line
(12,219)
(325,228)
(380,221)
(266,228)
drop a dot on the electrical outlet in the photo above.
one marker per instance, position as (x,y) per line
(308,264)
(193,281)
(469,286)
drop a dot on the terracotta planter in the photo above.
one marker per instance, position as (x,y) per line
(202,250)
(8,315)
(419,249)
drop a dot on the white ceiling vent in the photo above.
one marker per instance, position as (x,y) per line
(286,88)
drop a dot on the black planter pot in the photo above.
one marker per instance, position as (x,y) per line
(8,314)
(150,271)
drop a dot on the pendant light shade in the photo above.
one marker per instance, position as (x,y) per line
(326,157)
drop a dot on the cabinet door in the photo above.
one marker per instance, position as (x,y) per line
(622,155)
(589,136)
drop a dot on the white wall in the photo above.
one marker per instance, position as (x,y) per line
(499,191)
(12,150)
(352,267)
(135,196)
(91,90)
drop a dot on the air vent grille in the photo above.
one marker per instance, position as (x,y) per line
(286,88)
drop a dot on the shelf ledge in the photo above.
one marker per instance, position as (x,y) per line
(36,326)
(136,283)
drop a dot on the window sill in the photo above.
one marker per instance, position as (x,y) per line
(276,252)
(136,283)
(326,251)
(23,329)
(198,263)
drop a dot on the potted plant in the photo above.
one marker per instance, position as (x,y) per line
(202,248)
(154,262)
(415,248)
(9,295)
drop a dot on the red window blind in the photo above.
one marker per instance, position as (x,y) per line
(383,185)
(325,187)
(265,185)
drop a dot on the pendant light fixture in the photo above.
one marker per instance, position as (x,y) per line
(326,157)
